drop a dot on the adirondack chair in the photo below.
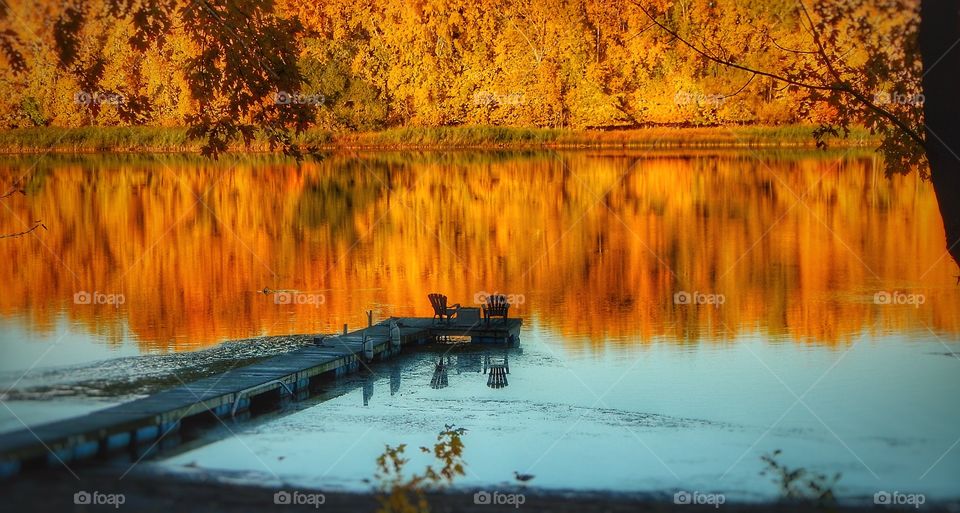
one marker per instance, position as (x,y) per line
(440,308)
(496,306)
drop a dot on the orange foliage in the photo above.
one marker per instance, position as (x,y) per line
(597,243)
(548,63)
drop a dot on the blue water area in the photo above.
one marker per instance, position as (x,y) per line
(657,417)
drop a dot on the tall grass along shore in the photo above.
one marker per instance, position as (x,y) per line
(175,140)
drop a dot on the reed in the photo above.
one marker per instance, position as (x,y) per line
(174,139)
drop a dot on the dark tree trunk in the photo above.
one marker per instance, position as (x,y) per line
(940,51)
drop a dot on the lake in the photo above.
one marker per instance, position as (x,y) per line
(684,312)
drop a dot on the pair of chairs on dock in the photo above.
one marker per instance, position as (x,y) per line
(496,306)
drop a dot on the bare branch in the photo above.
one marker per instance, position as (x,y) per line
(11,192)
(738,91)
(820,48)
(785,49)
(15,187)
(732,64)
(37,224)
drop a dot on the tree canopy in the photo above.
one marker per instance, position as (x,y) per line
(229,68)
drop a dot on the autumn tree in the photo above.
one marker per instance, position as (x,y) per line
(235,57)
(383,63)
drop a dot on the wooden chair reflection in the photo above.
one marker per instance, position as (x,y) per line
(497,370)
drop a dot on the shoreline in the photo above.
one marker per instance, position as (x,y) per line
(173,140)
(54,491)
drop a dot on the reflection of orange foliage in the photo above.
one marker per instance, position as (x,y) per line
(596,243)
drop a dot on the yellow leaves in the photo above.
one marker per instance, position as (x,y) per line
(401,494)
(421,62)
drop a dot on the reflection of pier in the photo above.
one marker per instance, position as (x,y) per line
(440,377)
(497,370)
(145,423)
(494,367)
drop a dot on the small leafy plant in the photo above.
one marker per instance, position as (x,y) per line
(401,494)
(800,484)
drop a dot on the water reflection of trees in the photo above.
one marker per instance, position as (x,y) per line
(333,202)
(596,247)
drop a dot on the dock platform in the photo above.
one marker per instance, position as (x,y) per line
(143,423)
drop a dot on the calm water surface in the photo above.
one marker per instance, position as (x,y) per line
(616,386)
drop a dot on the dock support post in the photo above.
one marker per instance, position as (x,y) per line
(394,335)
(367,348)
(344,328)
(369,318)
(242,393)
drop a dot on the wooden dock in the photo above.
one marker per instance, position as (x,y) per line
(143,423)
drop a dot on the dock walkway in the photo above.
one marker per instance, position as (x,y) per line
(144,422)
